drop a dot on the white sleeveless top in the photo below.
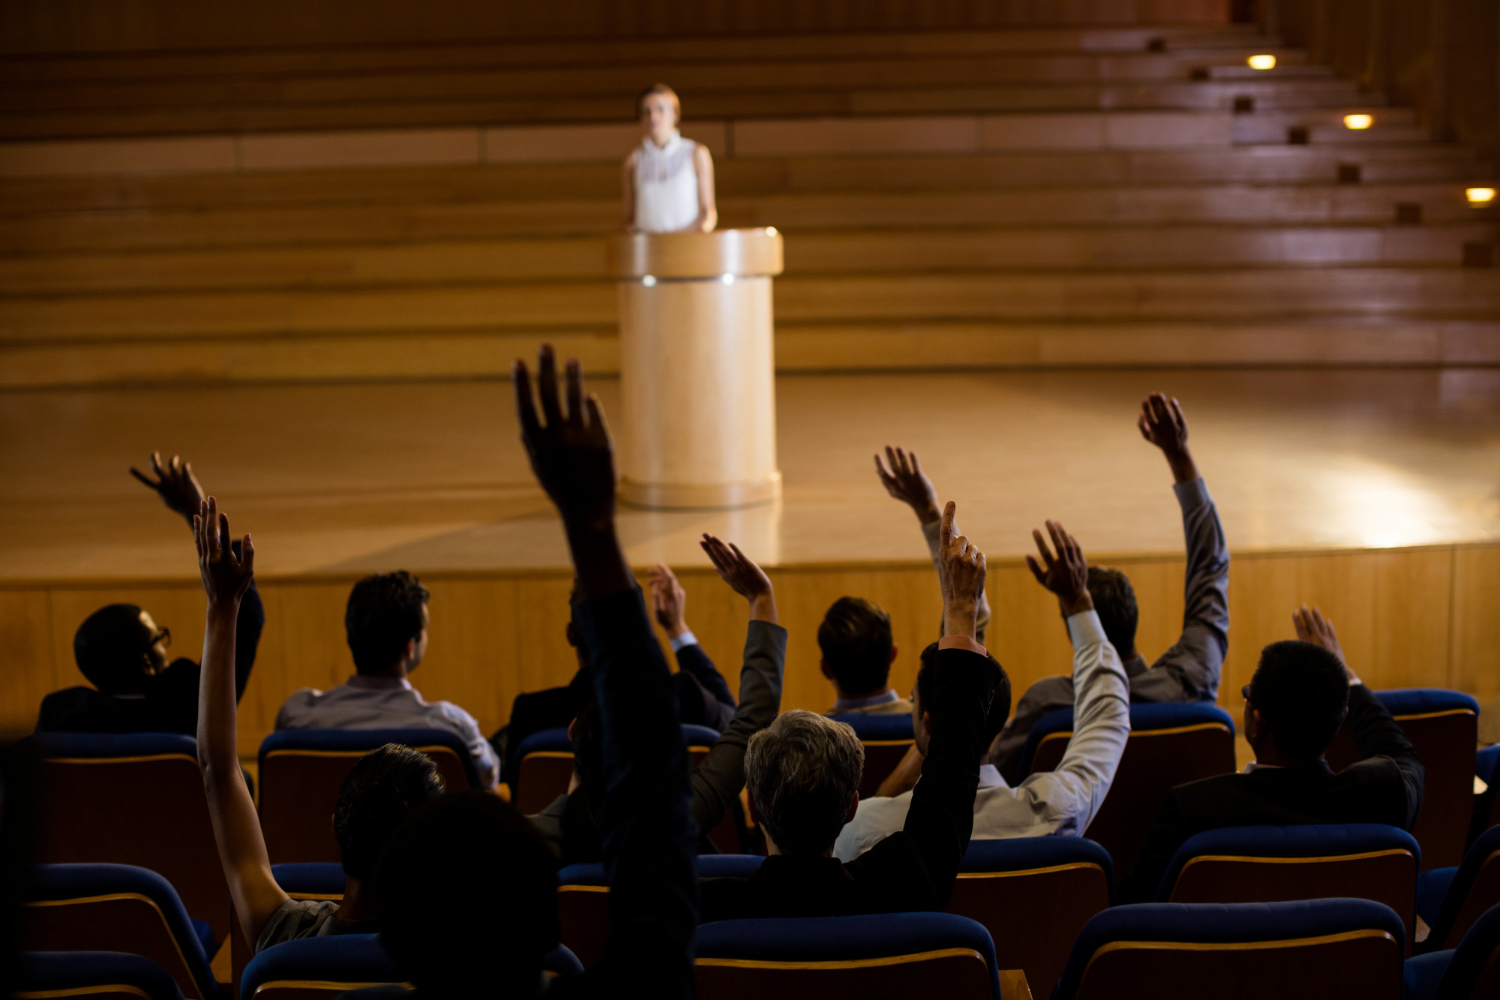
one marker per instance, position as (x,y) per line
(666,185)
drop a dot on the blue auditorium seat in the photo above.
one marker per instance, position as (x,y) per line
(305,880)
(318,967)
(1462,893)
(545,764)
(301,771)
(1169,744)
(104,907)
(1270,864)
(1306,950)
(814,958)
(132,799)
(1469,972)
(886,737)
(583,899)
(1443,727)
(1487,769)
(1033,894)
(99,975)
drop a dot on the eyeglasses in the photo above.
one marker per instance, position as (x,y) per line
(164,637)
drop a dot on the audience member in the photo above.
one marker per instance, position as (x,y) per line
(571,823)
(703,697)
(1295,703)
(377,795)
(386,625)
(803,773)
(855,639)
(123,653)
(467,892)
(1052,802)
(1190,670)
(902,476)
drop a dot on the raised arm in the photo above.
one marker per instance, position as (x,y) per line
(717,781)
(647,832)
(183,495)
(1101,700)
(941,818)
(1375,732)
(708,211)
(902,476)
(242,848)
(1197,659)
(669,604)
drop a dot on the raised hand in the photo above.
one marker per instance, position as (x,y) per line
(903,479)
(961,572)
(668,601)
(225,576)
(1312,627)
(743,576)
(1065,574)
(175,484)
(1161,422)
(570,453)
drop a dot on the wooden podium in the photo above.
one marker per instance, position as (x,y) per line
(697,368)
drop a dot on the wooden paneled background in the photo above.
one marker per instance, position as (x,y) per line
(1407,617)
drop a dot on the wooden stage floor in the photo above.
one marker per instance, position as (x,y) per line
(1375,493)
(431,476)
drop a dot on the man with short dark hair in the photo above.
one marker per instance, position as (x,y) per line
(123,652)
(1190,670)
(855,640)
(1061,801)
(385,623)
(803,773)
(1300,695)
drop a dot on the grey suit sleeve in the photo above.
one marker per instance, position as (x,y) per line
(930,531)
(1193,666)
(717,781)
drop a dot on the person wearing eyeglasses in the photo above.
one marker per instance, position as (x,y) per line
(124,653)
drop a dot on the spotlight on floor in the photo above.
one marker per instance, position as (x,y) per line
(1262,62)
(1358,121)
(1480,196)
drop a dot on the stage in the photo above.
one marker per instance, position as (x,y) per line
(1373,492)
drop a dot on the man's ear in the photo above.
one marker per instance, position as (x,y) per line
(572,635)
(927,725)
(853,808)
(827,670)
(572,726)
(894,650)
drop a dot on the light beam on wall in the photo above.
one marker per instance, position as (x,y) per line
(1480,196)
(1262,62)
(1358,121)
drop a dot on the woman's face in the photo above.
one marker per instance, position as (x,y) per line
(657,117)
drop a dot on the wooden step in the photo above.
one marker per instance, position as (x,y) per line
(304,60)
(712,105)
(794,214)
(904,252)
(1241,294)
(958,344)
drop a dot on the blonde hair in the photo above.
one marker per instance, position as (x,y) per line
(665,91)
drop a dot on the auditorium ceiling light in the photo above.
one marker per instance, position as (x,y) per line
(1480,196)
(649,280)
(1358,121)
(1262,62)
(728,279)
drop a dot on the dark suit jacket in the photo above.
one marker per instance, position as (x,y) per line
(1384,787)
(169,703)
(910,870)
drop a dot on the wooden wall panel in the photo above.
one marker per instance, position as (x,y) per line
(1406,617)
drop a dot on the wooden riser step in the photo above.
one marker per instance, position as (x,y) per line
(905,252)
(1405,341)
(1241,294)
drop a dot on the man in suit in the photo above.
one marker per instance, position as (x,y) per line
(803,772)
(1301,694)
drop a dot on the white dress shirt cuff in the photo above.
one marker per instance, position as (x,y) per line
(685,639)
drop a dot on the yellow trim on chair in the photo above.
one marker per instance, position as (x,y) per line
(317,984)
(1230,945)
(887,743)
(1260,860)
(139,898)
(1035,871)
(82,991)
(578,887)
(1434,715)
(121,760)
(547,753)
(298,752)
(849,963)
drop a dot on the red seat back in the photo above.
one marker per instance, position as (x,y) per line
(122,921)
(1483,894)
(881,758)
